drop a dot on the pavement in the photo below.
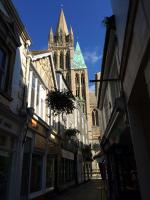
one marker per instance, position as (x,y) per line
(92,190)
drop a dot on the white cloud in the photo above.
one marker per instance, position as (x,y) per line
(92,56)
(92,87)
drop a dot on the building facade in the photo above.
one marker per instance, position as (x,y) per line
(36,157)
(128,85)
(14,42)
(95,135)
(70,62)
(133,42)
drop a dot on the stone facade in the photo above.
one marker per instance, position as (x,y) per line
(76,76)
(95,133)
(14,42)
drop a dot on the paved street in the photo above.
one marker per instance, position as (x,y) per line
(92,190)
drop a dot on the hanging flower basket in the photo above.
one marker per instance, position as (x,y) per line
(72,132)
(60,101)
(96,147)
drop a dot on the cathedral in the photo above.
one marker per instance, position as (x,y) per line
(70,62)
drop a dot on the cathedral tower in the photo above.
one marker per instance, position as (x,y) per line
(70,61)
(62,45)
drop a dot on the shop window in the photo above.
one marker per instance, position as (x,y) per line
(5,165)
(26,167)
(36,173)
(50,172)
(4,173)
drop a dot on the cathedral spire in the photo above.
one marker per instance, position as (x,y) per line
(78,59)
(71,36)
(62,25)
(50,38)
(71,31)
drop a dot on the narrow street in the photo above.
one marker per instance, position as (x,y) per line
(92,190)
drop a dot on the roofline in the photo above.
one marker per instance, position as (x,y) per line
(9,6)
(108,31)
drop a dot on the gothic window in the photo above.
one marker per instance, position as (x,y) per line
(67,60)
(77,85)
(67,78)
(61,60)
(55,60)
(95,119)
(83,86)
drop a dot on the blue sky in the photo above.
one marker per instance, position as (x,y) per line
(85,17)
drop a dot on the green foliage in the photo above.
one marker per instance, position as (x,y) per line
(96,147)
(60,101)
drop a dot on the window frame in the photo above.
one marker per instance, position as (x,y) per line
(9,67)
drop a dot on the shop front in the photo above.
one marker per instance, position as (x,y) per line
(38,169)
(121,173)
(10,154)
(66,169)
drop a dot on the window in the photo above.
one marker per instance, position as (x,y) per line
(67,60)
(50,172)
(61,60)
(3,69)
(37,95)
(33,91)
(67,78)
(83,86)
(95,118)
(4,173)
(26,167)
(36,173)
(55,60)
(9,41)
(5,165)
(77,85)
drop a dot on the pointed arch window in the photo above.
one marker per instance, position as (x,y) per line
(68,60)
(67,78)
(83,86)
(55,60)
(61,60)
(77,82)
(95,118)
